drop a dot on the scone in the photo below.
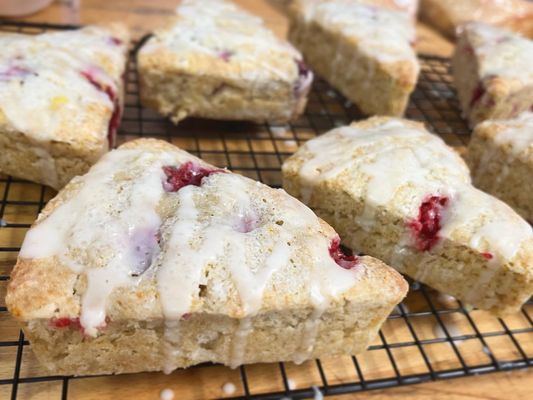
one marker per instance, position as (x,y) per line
(364,51)
(448,15)
(493,72)
(156,260)
(394,191)
(500,156)
(60,101)
(218,61)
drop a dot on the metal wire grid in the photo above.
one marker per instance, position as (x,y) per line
(456,343)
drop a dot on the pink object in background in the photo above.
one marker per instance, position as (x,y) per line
(18,8)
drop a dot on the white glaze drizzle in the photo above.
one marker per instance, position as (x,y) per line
(394,155)
(54,92)
(94,219)
(215,27)
(384,33)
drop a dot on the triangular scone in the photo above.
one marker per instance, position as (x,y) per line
(500,156)
(493,72)
(60,101)
(156,260)
(218,61)
(365,52)
(448,15)
(393,190)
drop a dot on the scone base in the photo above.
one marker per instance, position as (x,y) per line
(134,346)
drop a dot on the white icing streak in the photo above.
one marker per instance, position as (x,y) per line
(92,231)
(383,33)
(394,156)
(223,31)
(501,52)
(53,93)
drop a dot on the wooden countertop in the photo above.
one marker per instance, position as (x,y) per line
(142,16)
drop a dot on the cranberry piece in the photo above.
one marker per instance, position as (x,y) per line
(478,93)
(115,41)
(426,227)
(89,75)
(14,72)
(114,121)
(345,261)
(143,247)
(65,322)
(487,256)
(226,55)
(305,77)
(186,174)
(246,222)
(303,69)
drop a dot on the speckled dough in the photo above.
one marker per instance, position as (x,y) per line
(448,15)
(493,72)
(218,61)
(60,101)
(229,271)
(394,191)
(362,50)
(500,156)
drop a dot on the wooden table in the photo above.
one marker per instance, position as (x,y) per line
(144,15)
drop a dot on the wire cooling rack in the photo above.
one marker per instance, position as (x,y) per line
(428,337)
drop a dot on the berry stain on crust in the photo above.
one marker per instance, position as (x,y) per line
(426,227)
(115,41)
(14,72)
(65,323)
(114,120)
(225,55)
(478,93)
(487,256)
(186,174)
(346,261)
(305,78)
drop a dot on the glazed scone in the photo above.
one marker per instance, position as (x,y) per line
(362,50)
(155,260)
(60,101)
(448,15)
(218,61)
(500,156)
(394,191)
(492,72)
